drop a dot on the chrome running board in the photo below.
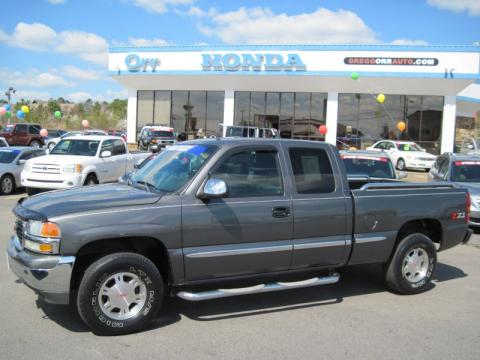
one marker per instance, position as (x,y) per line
(256,289)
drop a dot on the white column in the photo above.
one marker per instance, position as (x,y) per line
(132,117)
(228,109)
(448,123)
(332,118)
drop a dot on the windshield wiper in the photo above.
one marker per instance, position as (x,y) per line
(146,185)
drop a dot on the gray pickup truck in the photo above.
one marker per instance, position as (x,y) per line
(223,217)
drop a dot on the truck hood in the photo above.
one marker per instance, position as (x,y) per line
(60,159)
(90,198)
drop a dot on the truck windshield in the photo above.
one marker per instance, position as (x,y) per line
(8,155)
(173,167)
(375,167)
(466,171)
(76,147)
(158,133)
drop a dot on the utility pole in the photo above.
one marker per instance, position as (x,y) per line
(9,93)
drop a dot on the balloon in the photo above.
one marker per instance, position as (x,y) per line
(44,132)
(25,109)
(401,126)
(2,110)
(7,107)
(8,114)
(381,98)
(355,76)
(58,114)
(85,123)
(322,129)
(20,114)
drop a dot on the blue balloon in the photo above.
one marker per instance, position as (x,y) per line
(20,114)
(7,107)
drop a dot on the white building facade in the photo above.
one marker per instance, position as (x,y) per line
(296,89)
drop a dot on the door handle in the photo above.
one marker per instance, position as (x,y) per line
(280,212)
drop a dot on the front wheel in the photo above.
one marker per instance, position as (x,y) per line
(7,184)
(401,165)
(120,293)
(411,268)
(50,146)
(35,144)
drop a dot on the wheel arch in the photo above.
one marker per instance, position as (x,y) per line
(429,227)
(151,248)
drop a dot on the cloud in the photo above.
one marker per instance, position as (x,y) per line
(40,37)
(79,96)
(33,36)
(409,42)
(109,95)
(33,78)
(160,6)
(263,26)
(56,2)
(81,74)
(3,36)
(472,7)
(32,95)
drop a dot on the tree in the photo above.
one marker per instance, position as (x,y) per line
(53,106)
(118,108)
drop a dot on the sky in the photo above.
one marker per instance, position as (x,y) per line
(52,48)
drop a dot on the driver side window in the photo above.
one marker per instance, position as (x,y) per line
(380,145)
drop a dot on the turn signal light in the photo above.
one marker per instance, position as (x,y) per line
(50,230)
(47,248)
(468,204)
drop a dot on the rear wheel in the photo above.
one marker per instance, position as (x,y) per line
(401,165)
(411,268)
(120,293)
(7,184)
(35,144)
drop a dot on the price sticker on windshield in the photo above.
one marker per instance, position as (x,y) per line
(467,163)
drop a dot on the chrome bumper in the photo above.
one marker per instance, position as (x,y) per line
(47,275)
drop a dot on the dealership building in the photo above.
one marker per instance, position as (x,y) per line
(434,90)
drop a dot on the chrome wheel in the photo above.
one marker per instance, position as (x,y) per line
(35,144)
(415,265)
(122,296)
(7,185)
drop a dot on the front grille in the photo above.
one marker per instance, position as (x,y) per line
(19,228)
(425,159)
(46,168)
(475,220)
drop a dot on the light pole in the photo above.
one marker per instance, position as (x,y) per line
(9,93)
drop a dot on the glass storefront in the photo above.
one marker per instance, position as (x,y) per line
(192,114)
(295,115)
(467,131)
(362,120)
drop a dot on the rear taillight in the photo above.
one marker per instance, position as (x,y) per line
(468,203)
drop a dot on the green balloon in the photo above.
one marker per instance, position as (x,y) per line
(8,114)
(355,76)
(58,114)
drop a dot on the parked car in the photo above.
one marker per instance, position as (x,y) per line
(469,145)
(54,141)
(214,218)
(23,135)
(405,154)
(160,136)
(250,132)
(119,133)
(464,172)
(3,142)
(12,160)
(80,160)
(365,165)
(139,165)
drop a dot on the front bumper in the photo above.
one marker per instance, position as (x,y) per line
(51,181)
(47,275)
(418,164)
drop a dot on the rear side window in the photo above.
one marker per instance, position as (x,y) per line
(32,129)
(118,147)
(312,171)
(251,173)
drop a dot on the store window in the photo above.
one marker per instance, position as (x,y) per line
(296,115)
(467,133)
(144,109)
(362,120)
(163,104)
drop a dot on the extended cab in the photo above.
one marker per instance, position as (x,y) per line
(80,160)
(23,135)
(223,217)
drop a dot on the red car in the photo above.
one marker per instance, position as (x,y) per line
(23,135)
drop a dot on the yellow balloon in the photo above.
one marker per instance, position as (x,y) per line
(380,98)
(25,109)
(401,126)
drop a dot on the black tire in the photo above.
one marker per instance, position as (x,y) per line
(401,165)
(395,276)
(35,144)
(30,191)
(89,303)
(91,180)
(7,184)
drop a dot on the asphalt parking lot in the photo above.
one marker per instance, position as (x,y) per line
(354,319)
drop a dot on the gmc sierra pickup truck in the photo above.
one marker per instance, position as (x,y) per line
(223,217)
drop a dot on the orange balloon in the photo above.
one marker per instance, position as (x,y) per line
(401,126)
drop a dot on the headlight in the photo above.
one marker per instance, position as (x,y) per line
(70,169)
(42,237)
(154,141)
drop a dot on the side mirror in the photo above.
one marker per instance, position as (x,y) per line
(214,189)
(137,164)
(401,175)
(21,161)
(106,154)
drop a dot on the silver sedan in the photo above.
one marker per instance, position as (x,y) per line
(12,160)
